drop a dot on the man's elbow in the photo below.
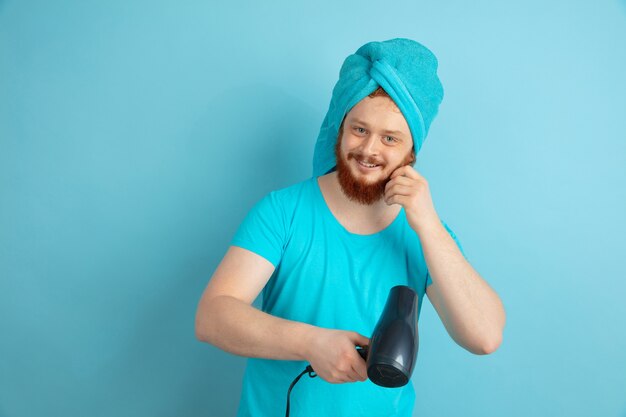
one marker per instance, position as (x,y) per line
(489,345)
(491,339)
(202,323)
(200,332)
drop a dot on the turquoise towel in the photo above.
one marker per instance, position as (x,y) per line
(405,69)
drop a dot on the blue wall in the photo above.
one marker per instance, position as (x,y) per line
(134,137)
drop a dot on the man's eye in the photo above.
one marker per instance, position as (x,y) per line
(360,130)
(390,139)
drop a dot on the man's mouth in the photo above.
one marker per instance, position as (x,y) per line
(366,164)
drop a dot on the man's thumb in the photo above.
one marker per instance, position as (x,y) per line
(360,340)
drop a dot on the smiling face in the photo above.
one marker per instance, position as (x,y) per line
(374,140)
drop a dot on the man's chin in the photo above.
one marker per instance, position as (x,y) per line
(369,178)
(366,192)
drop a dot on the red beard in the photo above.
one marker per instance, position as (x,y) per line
(357,190)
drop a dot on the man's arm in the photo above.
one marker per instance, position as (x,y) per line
(469,309)
(226,319)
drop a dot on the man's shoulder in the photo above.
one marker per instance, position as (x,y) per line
(293,192)
(285,203)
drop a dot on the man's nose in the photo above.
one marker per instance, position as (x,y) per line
(369,145)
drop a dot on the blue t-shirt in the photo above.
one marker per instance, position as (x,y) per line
(327,277)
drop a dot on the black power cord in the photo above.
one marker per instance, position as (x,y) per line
(311,373)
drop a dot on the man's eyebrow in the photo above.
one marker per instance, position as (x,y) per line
(361,122)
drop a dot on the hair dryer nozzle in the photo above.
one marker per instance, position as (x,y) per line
(394,343)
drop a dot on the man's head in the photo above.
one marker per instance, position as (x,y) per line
(405,69)
(373,141)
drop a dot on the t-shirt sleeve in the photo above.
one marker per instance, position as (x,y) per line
(458,243)
(263,230)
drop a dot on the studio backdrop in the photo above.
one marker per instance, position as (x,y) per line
(136,135)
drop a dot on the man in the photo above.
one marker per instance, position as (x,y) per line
(326,251)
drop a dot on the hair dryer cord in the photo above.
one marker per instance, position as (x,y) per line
(311,373)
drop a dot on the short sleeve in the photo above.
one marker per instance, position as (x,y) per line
(263,231)
(458,243)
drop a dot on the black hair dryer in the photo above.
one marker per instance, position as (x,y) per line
(393,346)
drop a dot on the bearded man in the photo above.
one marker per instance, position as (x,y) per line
(326,251)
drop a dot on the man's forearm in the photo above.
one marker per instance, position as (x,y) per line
(471,311)
(239,328)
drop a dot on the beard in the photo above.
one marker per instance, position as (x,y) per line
(363,192)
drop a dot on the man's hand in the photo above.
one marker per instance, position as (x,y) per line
(333,355)
(409,189)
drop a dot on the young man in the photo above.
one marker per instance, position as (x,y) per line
(327,251)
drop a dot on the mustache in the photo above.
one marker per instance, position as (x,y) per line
(366,159)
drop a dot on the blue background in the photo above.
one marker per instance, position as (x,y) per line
(134,137)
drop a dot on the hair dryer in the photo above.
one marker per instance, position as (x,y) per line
(393,347)
(392,352)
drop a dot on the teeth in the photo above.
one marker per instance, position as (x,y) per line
(367,165)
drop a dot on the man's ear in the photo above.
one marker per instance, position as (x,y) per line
(412,160)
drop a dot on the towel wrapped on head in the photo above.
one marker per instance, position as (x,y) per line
(405,69)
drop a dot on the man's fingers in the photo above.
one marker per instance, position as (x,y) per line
(397,199)
(361,372)
(398,189)
(355,376)
(358,339)
(399,180)
(407,171)
(349,375)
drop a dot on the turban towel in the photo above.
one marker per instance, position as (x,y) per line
(405,69)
